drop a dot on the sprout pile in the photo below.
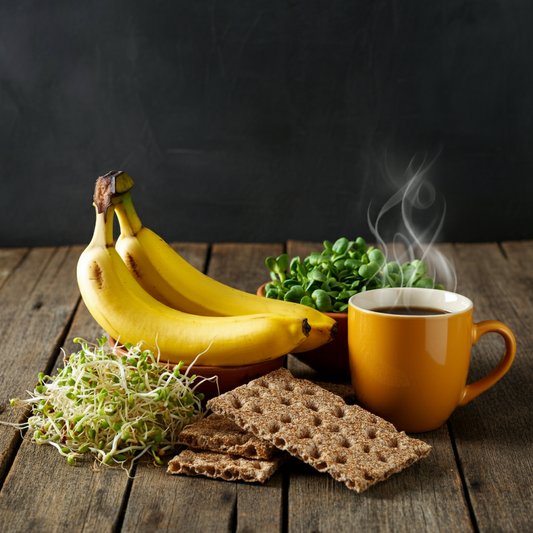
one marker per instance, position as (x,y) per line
(327,280)
(117,407)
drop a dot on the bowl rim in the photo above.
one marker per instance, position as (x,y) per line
(261,293)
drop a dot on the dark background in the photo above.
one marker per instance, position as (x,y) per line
(265,120)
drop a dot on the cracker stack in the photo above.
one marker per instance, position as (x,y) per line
(315,425)
(218,448)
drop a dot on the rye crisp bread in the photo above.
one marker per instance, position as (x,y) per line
(222,465)
(217,433)
(316,426)
(346,392)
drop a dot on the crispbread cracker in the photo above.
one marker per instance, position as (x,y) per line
(222,465)
(346,392)
(317,426)
(220,434)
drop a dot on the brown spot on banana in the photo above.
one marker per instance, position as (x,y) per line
(132,265)
(96,275)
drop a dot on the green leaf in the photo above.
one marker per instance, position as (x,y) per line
(377,256)
(339,264)
(271,264)
(328,245)
(282,262)
(295,294)
(392,268)
(340,246)
(360,245)
(425,283)
(272,293)
(314,259)
(346,294)
(322,300)
(317,275)
(307,300)
(369,271)
(295,263)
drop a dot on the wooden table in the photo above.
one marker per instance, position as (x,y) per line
(478,476)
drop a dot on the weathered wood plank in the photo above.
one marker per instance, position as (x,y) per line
(162,502)
(34,327)
(493,433)
(260,507)
(424,497)
(242,265)
(195,253)
(82,499)
(10,258)
(201,504)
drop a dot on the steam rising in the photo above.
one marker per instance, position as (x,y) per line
(415,197)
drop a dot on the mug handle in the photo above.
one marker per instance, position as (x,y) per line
(478,330)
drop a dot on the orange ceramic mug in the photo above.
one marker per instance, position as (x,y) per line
(411,370)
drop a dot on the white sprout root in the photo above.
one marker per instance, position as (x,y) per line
(117,407)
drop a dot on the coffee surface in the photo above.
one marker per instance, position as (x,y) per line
(411,311)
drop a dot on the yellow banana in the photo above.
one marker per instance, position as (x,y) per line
(173,281)
(126,311)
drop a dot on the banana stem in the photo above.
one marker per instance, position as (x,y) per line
(103,229)
(130,223)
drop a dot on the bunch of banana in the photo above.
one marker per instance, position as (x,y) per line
(174,282)
(129,313)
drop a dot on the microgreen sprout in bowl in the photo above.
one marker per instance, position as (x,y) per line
(117,407)
(327,280)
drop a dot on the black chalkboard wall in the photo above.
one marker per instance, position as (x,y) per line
(266,120)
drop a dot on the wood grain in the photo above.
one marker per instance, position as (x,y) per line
(242,266)
(424,497)
(33,326)
(10,258)
(195,253)
(493,433)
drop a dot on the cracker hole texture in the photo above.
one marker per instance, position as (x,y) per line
(317,421)
(311,405)
(340,458)
(256,409)
(235,402)
(371,432)
(344,442)
(279,442)
(286,401)
(273,427)
(304,433)
(285,418)
(313,450)
(250,451)
(338,411)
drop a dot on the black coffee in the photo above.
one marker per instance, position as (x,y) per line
(411,311)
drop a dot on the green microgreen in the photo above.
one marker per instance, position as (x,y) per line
(327,280)
(122,412)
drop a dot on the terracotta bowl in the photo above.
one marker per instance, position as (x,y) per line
(229,377)
(332,359)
